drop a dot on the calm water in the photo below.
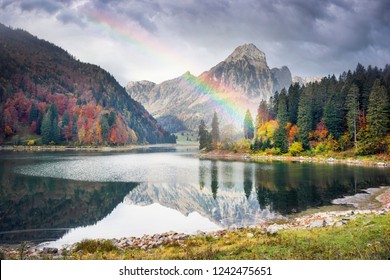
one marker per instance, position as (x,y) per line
(64,197)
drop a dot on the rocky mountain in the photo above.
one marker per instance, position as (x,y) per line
(244,77)
(49,97)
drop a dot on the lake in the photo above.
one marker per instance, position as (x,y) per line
(64,197)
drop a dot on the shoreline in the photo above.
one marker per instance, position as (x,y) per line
(227,155)
(88,148)
(333,219)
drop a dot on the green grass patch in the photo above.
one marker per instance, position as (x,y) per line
(94,246)
(367,237)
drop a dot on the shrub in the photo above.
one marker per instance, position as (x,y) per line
(296,148)
(93,246)
(273,151)
(30,143)
(320,149)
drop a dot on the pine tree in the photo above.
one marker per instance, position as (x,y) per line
(204,136)
(46,128)
(215,130)
(352,105)
(305,118)
(74,126)
(280,136)
(39,122)
(55,131)
(65,119)
(33,116)
(293,102)
(378,116)
(282,109)
(333,115)
(248,126)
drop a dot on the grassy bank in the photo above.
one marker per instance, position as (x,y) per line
(366,237)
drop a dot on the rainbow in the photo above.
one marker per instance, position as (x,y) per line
(134,36)
(232,109)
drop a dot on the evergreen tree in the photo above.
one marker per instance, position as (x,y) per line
(333,115)
(282,109)
(378,116)
(293,102)
(33,116)
(103,121)
(305,119)
(46,128)
(50,129)
(74,126)
(280,139)
(65,119)
(55,131)
(248,126)
(204,136)
(39,122)
(54,112)
(280,135)
(274,100)
(352,105)
(215,130)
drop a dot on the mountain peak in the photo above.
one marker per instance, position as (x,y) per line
(249,52)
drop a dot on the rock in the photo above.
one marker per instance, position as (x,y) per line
(250,235)
(329,221)
(338,224)
(274,228)
(317,223)
(48,250)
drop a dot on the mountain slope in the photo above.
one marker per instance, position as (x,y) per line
(86,104)
(243,78)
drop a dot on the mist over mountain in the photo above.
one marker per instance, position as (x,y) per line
(244,77)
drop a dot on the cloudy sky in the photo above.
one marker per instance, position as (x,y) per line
(162,39)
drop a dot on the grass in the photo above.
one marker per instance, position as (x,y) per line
(367,237)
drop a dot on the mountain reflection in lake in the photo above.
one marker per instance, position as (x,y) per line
(71,196)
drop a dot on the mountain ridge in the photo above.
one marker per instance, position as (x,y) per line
(87,104)
(244,75)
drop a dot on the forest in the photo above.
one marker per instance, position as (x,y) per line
(49,97)
(348,114)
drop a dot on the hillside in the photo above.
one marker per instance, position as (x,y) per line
(48,96)
(243,78)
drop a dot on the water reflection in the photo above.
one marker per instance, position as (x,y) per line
(45,196)
(40,208)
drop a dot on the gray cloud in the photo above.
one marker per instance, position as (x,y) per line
(311,37)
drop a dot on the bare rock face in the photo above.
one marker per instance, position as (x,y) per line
(281,78)
(139,88)
(244,75)
(245,71)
